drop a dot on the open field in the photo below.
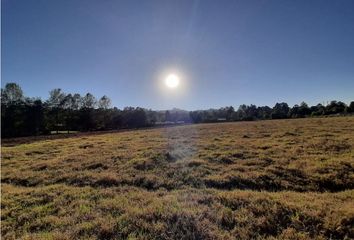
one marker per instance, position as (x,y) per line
(281,179)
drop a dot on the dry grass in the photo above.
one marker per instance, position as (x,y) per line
(286,179)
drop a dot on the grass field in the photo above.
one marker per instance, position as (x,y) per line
(280,179)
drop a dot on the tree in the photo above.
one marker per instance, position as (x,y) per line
(11,94)
(69,112)
(102,114)
(229,112)
(168,116)
(351,107)
(76,101)
(104,102)
(56,98)
(134,117)
(12,120)
(264,112)
(34,117)
(318,110)
(304,110)
(196,116)
(299,111)
(280,111)
(56,103)
(89,101)
(247,113)
(242,112)
(335,107)
(87,118)
(151,117)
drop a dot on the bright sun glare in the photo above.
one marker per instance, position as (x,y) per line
(172,81)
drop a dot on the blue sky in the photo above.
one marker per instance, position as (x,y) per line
(226,52)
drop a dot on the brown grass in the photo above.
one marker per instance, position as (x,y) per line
(286,179)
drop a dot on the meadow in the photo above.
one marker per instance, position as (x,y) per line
(276,179)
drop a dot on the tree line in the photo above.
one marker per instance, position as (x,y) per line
(279,111)
(25,116)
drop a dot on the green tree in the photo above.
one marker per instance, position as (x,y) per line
(89,101)
(335,107)
(104,102)
(11,94)
(280,111)
(351,107)
(56,103)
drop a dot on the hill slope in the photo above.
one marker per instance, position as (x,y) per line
(286,179)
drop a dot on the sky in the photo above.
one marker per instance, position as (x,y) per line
(224,52)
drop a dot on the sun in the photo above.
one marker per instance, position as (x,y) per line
(172,81)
